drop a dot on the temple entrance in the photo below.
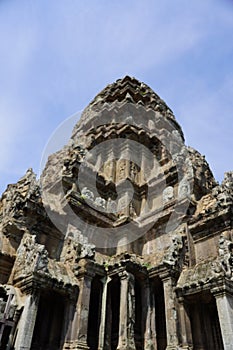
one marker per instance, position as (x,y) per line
(160,318)
(94,313)
(48,328)
(205,325)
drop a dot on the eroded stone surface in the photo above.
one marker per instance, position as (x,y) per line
(61,289)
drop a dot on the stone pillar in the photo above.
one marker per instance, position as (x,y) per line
(76,336)
(185,326)
(82,311)
(69,313)
(127,312)
(170,312)
(27,322)
(224,303)
(148,317)
(105,281)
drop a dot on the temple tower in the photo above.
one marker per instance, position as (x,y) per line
(125,242)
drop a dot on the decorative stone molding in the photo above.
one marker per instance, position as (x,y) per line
(173,255)
(226,256)
(184,189)
(31,257)
(168,194)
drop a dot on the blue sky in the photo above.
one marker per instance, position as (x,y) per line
(55,56)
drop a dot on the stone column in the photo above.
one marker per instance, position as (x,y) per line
(148,317)
(185,326)
(82,311)
(224,303)
(105,281)
(27,322)
(127,312)
(76,336)
(170,312)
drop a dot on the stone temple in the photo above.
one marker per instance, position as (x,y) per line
(125,242)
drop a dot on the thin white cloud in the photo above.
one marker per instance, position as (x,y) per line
(54,56)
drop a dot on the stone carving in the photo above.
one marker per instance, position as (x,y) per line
(228,181)
(172,256)
(200,171)
(15,197)
(224,192)
(111,206)
(100,202)
(226,255)
(122,169)
(87,194)
(74,250)
(81,153)
(71,250)
(122,206)
(220,197)
(132,211)
(200,274)
(183,189)
(151,125)
(73,158)
(133,171)
(108,170)
(31,256)
(168,194)
(87,251)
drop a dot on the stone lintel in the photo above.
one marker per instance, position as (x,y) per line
(224,287)
(168,274)
(28,284)
(36,281)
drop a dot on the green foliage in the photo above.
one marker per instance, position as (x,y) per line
(147,265)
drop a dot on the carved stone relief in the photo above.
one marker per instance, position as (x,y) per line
(168,194)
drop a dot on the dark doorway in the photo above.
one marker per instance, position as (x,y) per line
(94,313)
(160,318)
(205,325)
(49,322)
